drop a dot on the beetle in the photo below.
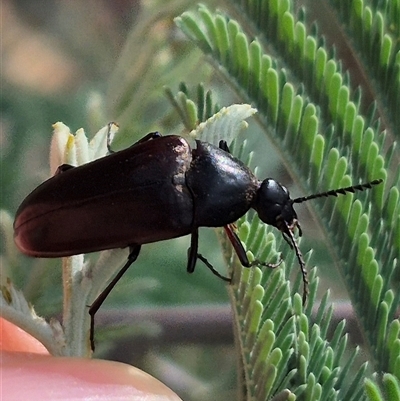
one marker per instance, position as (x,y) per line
(157,189)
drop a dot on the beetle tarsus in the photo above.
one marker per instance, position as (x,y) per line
(257,262)
(211,267)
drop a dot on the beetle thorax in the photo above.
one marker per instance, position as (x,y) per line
(223,187)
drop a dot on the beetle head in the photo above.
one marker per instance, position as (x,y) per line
(275,207)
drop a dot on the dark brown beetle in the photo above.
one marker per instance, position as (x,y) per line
(157,189)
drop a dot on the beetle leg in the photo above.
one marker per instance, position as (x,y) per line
(241,252)
(192,251)
(64,167)
(193,256)
(211,267)
(148,137)
(237,246)
(133,254)
(224,146)
(110,137)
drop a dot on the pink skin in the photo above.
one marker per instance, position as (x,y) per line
(28,372)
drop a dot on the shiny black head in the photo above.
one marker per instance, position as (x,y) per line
(274,205)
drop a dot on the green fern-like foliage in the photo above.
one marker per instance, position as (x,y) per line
(308,109)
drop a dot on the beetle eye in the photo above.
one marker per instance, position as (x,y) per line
(273,203)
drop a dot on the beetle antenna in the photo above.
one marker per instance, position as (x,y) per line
(339,191)
(291,240)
